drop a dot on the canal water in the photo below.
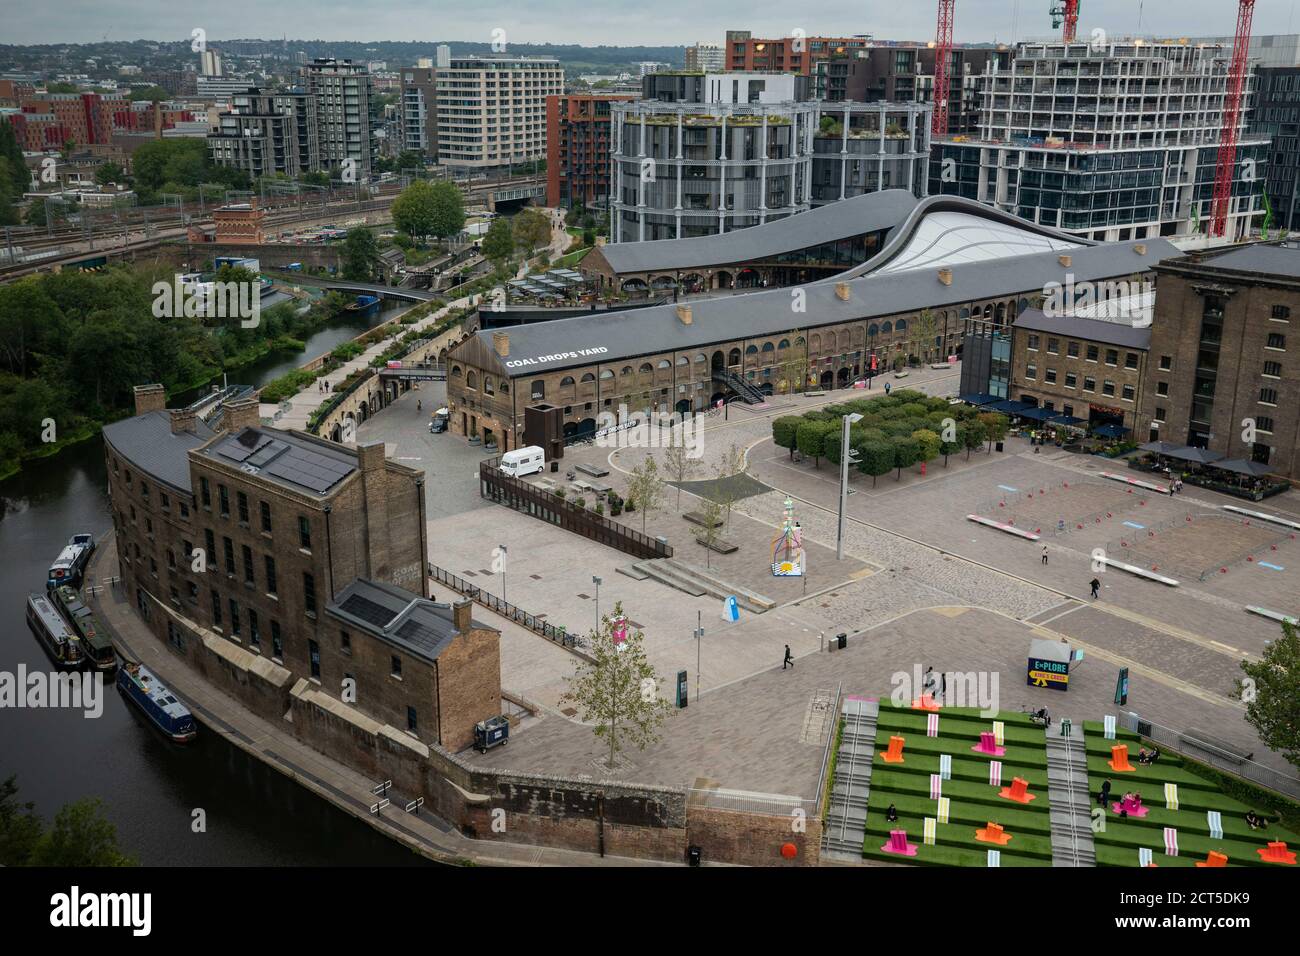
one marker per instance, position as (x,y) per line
(150,788)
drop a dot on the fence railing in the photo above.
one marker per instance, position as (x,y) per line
(1191,745)
(545,506)
(746,801)
(533,622)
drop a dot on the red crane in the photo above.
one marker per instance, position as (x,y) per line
(1071,20)
(942,63)
(1223,174)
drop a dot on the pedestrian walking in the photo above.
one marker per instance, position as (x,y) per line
(887,388)
(1104,794)
(789,658)
(1044,554)
(419,405)
(1096,588)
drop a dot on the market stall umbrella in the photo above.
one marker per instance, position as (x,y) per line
(1239,466)
(1161,447)
(1198,456)
(1111,431)
(980,399)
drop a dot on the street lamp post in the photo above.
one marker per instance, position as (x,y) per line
(847,456)
(699,637)
(597,581)
(504,552)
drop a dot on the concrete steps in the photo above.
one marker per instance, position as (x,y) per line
(660,571)
(845,825)
(1069,801)
(697,581)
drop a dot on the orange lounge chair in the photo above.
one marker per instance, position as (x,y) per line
(895,752)
(1018,791)
(1214,859)
(1277,853)
(1119,759)
(993,833)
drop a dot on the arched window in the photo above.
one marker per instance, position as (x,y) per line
(487,385)
(900,325)
(701,358)
(567,382)
(873,330)
(505,387)
(784,344)
(683,360)
(627,370)
(605,373)
(886,328)
(646,367)
(767,347)
(455,370)
(664,363)
(799,341)
(471,380)
(751,349)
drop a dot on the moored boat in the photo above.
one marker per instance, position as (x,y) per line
(138,685)
(53,632)
(96,645)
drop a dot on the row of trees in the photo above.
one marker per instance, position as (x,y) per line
(426,209)
(896,432)
(523,233)
(79,836)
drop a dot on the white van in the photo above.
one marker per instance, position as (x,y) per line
(523,461)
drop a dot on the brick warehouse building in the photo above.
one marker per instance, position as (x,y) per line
(270,559)
(1222,353)
(953,263)
(577,148)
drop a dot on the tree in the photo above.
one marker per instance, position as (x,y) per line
(732,463)
(499,243)
(1271,693)
(413,210)
(995,427)
(678,461)
(531,228)
(709,532)
(810,438)
(906,453)
(922,330)
(947,448)
(360,254)
(20,827)
(152,94)
(448,209)
(80,836)
(876,458)
(971,434)
(618,691)
(785,432)
(927,444)
(646,488)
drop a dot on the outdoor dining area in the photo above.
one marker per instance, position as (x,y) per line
(553,287)
(1208,469)
(1046,426)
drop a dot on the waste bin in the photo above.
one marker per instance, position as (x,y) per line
(555,466)
(999,446)
(843,640)
(693,855)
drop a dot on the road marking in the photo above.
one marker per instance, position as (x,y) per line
(1068,610)
(1008,488)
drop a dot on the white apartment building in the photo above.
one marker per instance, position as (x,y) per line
(492,109)
(706,58)
(340,93)
(1109,142)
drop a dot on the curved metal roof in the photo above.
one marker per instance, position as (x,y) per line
(855,216)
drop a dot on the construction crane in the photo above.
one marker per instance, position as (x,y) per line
(1066,12)
(942,63)
(1223,174)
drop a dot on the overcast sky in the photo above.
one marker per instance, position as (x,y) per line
(613,22)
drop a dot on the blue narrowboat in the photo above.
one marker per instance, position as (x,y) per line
(364,303)
(53,632)
(138,685)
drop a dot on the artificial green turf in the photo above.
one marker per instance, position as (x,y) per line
(1118,845)
(973,803)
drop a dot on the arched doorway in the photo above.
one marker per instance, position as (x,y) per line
(336,433)
(842,376)
(718,362)
(828,379)
(733,358)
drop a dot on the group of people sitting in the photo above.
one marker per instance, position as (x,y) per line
(1148,757)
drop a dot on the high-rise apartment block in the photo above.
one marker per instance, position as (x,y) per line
(340,92)
(1108,142)
(706,58)
(266,133)
(492,109)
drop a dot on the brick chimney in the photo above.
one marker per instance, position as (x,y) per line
(684,315)
(501,343)
(242,413)
(1140,249)
(461,615)
(150,398)
(182,420)
(1065,260)
(370,458)
(945,276)
(842,291)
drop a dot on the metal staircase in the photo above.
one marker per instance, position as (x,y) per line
(1069,800)
(749,394)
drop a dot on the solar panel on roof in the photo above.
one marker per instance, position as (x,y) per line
(238,449)
(267,453)
(415,632)
(367,610)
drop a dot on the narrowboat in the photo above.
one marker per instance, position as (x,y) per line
(53,632)
(96,645)
(364,303)
(138,685)
(71,563)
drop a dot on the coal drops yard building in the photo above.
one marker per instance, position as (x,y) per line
(944,267)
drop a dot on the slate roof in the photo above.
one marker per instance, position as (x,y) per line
(613,336)
(1093,330)
(147,442)
(285,458)
(850,217)
(1264,259)
(399,617)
